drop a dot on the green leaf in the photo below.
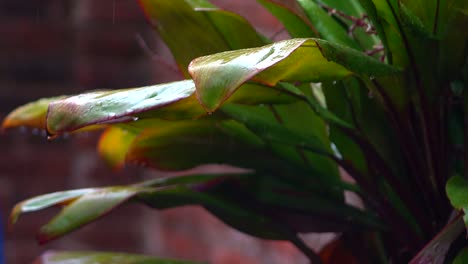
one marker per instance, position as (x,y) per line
(291,15)
(462,257)
(177,98)
(186,144)
(196,28)
(85,209)
(219,75)
(88,257)
(457,192)
(32,114)
(240,217)
(328,28)
(45,201)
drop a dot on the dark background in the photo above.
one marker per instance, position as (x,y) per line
(54,47)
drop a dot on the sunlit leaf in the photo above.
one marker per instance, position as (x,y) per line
(87,257)
(218,76)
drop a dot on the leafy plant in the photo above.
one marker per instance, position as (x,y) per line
(375,87)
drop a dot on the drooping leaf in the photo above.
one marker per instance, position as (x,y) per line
(196,28)
(434,252)
(32,114)
(123,105)
(87,257)
(219,75)
(45,201)
(85,209)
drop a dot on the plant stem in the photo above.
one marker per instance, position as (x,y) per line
(300,244)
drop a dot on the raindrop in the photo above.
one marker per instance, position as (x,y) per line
(334,82)
(51,137)
(135,118)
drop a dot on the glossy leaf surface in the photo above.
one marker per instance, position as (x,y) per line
(87,257)
(120,106)
(219,75)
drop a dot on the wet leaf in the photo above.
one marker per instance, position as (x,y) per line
(88,257)
(31,115)
(124,105)
(219,75)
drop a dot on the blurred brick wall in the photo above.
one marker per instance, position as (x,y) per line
(54,47)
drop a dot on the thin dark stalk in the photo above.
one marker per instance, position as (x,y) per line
(425,121)
(408,147)
(301,245)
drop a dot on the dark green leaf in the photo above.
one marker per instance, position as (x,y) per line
(462,257)
(186,144)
